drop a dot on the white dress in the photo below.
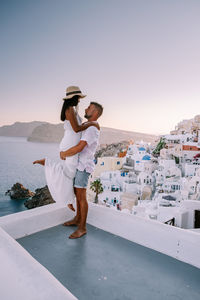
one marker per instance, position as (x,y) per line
(60,175)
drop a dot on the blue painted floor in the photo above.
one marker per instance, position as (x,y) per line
(103,266)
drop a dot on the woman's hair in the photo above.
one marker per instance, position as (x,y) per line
(67,103)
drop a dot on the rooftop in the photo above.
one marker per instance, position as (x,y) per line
(102,265)
(123,256)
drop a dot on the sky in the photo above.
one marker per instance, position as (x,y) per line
(139,58)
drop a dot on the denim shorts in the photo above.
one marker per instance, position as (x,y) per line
(81,179)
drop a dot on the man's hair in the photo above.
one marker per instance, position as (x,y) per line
(98,107)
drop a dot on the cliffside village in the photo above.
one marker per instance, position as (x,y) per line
(160,182)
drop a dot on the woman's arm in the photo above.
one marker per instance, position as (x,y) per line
(71,116)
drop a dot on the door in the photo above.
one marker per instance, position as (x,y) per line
(197,219)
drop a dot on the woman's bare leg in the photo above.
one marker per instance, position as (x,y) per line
(76,219)
(40,162)
(71,207)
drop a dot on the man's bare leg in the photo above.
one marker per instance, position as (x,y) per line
(76,220)
(40,162)
(81,199)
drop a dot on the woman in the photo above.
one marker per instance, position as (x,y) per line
(60,175)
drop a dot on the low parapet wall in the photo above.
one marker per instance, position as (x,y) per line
(179,243)
(21,276)
(30,221)
(23,273)
(173,241)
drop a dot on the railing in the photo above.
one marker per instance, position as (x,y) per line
(170,222)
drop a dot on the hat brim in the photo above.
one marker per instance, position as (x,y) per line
(71,96)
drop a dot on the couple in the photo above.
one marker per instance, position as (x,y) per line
(77,150)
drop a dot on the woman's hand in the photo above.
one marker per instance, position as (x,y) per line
(93,123)
(62,155)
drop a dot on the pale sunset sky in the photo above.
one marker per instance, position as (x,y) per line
(140,59)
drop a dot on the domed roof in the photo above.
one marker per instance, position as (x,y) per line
(142,149)
(146,157)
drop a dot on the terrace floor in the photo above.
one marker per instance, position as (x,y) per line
(103,266)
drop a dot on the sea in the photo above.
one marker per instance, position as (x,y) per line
(16,157)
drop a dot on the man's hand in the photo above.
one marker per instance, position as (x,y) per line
(62,155)
(73,150)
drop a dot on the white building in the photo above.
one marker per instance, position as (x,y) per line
(107,164)
(190,169)
(145,179)
(167,163)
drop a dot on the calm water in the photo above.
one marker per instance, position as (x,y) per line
(16,157)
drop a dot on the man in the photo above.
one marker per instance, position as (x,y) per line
(86,149)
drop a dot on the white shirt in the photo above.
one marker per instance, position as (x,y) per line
(86,156)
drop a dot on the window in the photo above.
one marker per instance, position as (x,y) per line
(118,162)
(102,164)
(114,188)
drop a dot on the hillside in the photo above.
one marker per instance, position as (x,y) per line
(19,129)
(111,135)
(47,133)
(54,133)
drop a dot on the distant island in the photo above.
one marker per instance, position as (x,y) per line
(20,129)
(44,132)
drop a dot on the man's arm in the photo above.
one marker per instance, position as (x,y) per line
(73,150)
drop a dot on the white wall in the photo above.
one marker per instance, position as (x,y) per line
(28,273)
(190,169)
(176,242)
(189,154)
(107,164)
(190,206)
(27,222)
(21,276)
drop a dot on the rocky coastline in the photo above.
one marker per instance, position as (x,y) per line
(111,149)
(18,191)
(40,197)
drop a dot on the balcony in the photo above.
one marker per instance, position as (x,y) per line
(122,257)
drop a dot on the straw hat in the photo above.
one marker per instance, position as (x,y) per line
(72,91)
